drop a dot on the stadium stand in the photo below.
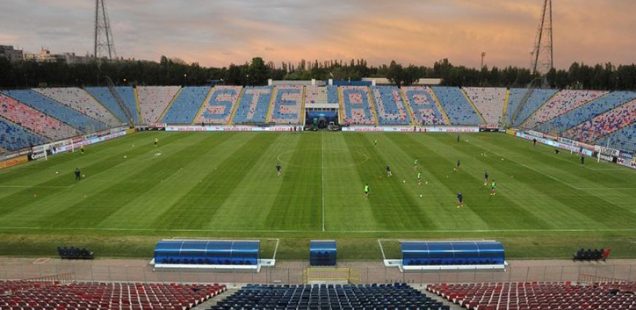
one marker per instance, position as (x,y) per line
(539,295)
(356,104)
(537,98)
(14,137)
(328,296)
(314,94)
(253,105)
(53,108)
(458,109)
(287,105)
(81,101)
(424,109)
(562,102)
(489,101)
(103,95)
(153,101)
(332,94)
(127,94)
(34,120)
(390,106)
(592,130)
(580,114)
(218,109)
(185,107)
(113,295)
(623,139)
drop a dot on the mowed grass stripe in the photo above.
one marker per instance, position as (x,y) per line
(146,172)
(391,205)
(345,206)
(39,196)
(581,200)
(529,186)
(44,170)
(514,185)
(258,189)
(298,202)
(196,208)
(508,191)
(567,167)
(498,212)
(42,173)
(438,199)
(189,169)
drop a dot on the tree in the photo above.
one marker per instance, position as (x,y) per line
(258,72)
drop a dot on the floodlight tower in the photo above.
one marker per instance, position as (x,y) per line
(104,43)
(543,52)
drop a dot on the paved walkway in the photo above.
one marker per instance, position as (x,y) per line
(293,272)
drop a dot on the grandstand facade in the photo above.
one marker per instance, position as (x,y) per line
(35,116)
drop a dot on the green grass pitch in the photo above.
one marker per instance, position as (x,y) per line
(224,185)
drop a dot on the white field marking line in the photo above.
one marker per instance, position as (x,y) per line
(381,249)
(331,231)
(569,185)
(547,175)
(36,186)
(275,248)
(322,177)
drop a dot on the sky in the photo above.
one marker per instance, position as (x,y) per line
(221,32)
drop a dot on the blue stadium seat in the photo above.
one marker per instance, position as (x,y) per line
(329,296)
(14,137)
(458,109)
(103,95)
(287,105)
(576,116)
(253,105)
(424,109)
(185,107)
(332,94)
(623,139)
(537,98)
(356,104)
(390,106)
(55,109)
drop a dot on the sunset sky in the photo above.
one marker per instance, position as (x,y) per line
(220,32)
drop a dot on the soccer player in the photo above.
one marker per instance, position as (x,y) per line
(457,138)
(278,169)
(156,141)
(78,174)
(82,149)
(375,142)
(366,190)
(419,178)
(415,164)
(485,177)
(460,200)
(459,163)
(582,159)
(493,188)
(534,142)
(388,171)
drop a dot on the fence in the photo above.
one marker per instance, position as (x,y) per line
(296,273)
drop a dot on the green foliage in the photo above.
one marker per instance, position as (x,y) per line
(169,72)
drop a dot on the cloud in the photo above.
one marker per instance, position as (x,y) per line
(221,32)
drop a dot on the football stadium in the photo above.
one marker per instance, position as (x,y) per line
(129,184)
